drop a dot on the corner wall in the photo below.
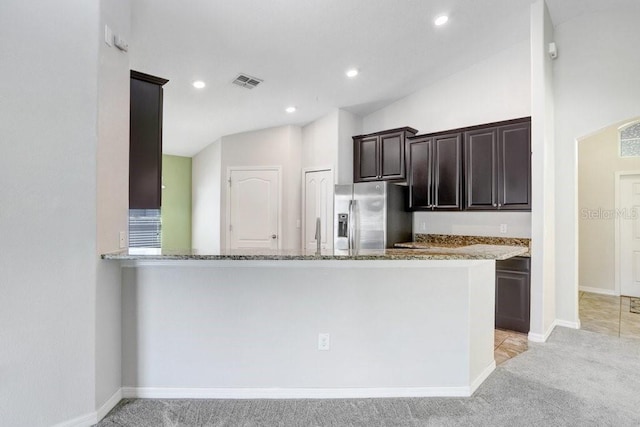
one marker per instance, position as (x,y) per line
(543,304)
(112,194)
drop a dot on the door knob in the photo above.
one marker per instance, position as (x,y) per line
(273,236)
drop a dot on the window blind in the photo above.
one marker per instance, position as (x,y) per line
(145,226)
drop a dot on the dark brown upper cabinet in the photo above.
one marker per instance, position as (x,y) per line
(434,164)
(380,156)
(145,141)
(498,166)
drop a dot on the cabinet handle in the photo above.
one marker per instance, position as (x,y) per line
(494,205)
(499,204)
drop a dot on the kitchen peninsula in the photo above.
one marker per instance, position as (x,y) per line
(400,322)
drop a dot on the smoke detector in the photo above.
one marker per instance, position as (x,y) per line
(246,81)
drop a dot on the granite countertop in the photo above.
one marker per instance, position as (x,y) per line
(426,241)
(471,252)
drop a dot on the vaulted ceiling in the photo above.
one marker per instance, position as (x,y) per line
(302,48)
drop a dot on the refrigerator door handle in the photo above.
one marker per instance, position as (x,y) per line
(351,228)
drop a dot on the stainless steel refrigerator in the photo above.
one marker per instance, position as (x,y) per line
(370,216)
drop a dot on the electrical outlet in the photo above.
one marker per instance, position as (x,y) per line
(503,228)
(423,226)
(123,239)
(323,341)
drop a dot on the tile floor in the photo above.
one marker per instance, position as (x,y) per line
(508,344)
(608,315)
(604,314)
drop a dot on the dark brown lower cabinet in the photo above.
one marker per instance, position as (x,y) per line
(513,294)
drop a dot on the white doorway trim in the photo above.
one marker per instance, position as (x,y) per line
(617,266)
(304,197)
(227,218)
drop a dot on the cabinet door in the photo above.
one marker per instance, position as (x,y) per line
(512,300)
(366,159)
(145,142)
(481,169)
(447,172)
(514,162)
(392,156)
(420,173)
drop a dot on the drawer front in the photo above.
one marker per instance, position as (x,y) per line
(514,264)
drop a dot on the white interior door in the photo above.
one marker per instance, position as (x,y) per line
(254,208)
(318,203)
(629,217)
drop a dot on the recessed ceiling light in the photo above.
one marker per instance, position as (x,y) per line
(290,109)
(199,84)
(352,72)
(441,20)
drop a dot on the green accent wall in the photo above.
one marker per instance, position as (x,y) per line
(176,202)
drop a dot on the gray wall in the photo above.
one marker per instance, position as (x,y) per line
(64,165)
(48,133)
(597,83)
(238,324)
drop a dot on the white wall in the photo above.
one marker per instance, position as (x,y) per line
(246,324)
(543,312)
(279,146)
(48,141)
(597,83)
(495,89)
(598,161)
(206,171)
(475,224)
(112,194)
(349,125)
(320,142)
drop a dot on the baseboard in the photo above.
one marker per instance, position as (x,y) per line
(81,421)
(94,417)
(483,376)
(109,405)
(542,337)
(558,322)
(598,291)
(568,324)
(301,393)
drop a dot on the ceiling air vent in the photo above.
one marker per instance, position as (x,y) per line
(246,81)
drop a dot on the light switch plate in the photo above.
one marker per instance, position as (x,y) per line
(108,35)
(123,239)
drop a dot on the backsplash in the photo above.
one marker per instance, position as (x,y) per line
(516,224)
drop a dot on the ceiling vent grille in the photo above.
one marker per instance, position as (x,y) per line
(246,81)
